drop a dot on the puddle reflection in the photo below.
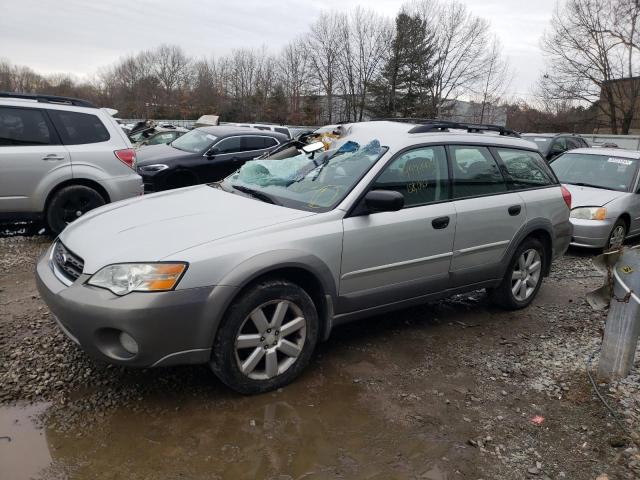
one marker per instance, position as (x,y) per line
(307,431)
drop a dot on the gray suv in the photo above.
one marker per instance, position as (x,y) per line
(59,158)
(249,273)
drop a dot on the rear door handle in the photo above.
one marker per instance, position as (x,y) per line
(515,210)
(440,222)
(52,156)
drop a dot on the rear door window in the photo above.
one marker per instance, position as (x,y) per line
(252,143)
(230,145)
(475,172)
(269,142)
(79,128)
(24,127)
(526,169)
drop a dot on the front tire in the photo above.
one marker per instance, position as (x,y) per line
(70,203)
(523,277)
(266,339)
(617,235)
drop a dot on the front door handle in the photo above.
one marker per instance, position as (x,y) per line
(52,156)
(515,210)
(440,222)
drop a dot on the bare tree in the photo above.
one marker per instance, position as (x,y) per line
(293,67)
(493,85)
(323,49)
(170,65)
(366,36)
(590,47)
(461,60)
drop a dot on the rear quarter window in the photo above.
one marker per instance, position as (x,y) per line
(526,169)
(79,128)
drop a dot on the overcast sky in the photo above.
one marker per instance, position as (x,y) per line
(80,36)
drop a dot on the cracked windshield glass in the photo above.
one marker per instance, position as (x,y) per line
(310,181)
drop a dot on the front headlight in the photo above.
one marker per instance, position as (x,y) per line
(124,278)
(589,213)
(156,167)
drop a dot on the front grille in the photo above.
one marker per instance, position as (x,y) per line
(67,263)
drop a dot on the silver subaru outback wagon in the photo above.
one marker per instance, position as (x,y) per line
(250,273)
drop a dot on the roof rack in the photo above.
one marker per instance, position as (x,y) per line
(432,125)
(49,99)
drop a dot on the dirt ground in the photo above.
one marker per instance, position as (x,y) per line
(453,390)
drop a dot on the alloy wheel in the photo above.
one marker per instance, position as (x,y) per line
(76,207)
(617,237)
(526,274)
(270,339)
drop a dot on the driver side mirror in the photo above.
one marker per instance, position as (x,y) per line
(384,201)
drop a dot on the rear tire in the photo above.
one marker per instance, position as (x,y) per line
(617,235)
(70,203)
(523,277)
(266,339)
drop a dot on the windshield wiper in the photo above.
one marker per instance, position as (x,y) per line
(256,194)
(581,184)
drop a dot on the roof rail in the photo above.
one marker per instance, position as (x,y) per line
(48,99)
(432,125)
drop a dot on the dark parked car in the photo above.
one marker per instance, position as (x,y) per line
(553,144)
(202,155)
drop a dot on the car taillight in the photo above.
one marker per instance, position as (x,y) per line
(566,196)
(127,156)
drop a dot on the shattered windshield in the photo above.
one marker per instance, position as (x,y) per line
(314,182)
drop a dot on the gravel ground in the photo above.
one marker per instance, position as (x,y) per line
(514,374)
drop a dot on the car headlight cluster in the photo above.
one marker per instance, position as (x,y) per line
(156,167)
(125,278)
(589,213)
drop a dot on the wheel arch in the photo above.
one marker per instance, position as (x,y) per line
(309,272)
(542,230)
(76,181)
(627,219)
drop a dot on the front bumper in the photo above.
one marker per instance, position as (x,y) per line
(591,233)
(170,328)
(153,182)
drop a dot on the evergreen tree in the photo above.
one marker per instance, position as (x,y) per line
(402,89)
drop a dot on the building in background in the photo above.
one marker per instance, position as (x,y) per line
(624,95)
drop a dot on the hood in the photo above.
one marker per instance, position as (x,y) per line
(153,227)
(150,154)
(591,197)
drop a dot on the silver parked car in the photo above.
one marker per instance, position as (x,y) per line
(61,157)
(606,201)
(249,273)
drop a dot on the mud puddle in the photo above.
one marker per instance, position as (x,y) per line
(314,429)
(23,445)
